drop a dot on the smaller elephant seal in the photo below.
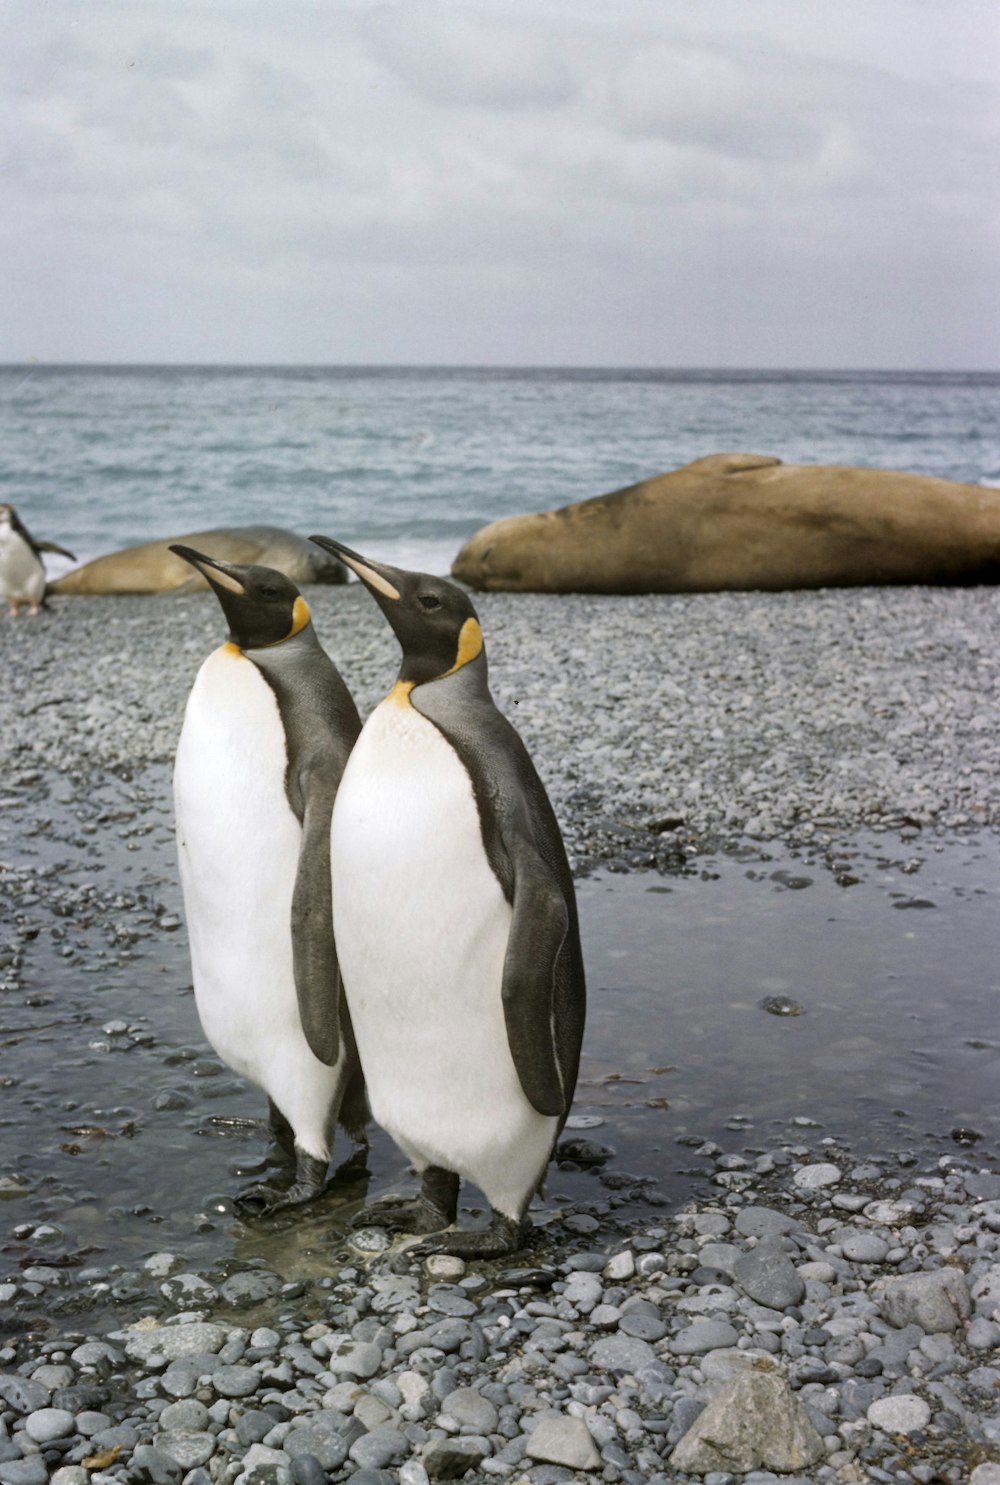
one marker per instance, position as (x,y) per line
(749,522)
(153,567)
(22,573)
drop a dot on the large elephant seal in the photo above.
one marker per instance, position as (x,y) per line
(746,521)
(153,567)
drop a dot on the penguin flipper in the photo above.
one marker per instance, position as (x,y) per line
(53,546)
(537,963)
(314,956)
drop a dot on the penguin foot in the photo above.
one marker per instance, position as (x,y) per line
(263,1199)
(433,1209)
(504,1235)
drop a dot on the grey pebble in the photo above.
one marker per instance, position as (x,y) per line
(31,1471)
(307,1470)
(188,1448)
(448,1459)
(702,1336)
(47,1424)
(380,1448)
(768,1276)
(620,1354)
(156,1465)
(235,1381)
(471,1410)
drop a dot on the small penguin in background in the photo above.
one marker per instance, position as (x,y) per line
(22,573)
(456,926)
(267,731)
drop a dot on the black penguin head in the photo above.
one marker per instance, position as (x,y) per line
(263,606)
(434,621)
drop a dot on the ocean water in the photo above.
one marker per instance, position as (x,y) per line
(405,463)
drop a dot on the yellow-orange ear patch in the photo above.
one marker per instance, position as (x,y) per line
(300,616)
(470,644)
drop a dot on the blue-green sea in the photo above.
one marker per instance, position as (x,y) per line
(406,462)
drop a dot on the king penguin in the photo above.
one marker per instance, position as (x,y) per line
(267,730)
(456,926)
(22,573)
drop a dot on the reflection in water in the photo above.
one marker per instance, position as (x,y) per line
(119,1124)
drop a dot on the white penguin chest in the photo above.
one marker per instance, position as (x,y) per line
(22,574)
(238,842)
(420,919)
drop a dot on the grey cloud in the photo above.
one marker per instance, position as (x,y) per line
(462,57)
(708,97)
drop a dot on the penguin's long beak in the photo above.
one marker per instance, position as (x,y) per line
(222,574)
(374,575)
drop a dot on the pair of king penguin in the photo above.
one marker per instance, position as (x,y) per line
(454,937)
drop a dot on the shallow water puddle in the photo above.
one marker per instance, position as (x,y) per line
(774,992)
(744,995)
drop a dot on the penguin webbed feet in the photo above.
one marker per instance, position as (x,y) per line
(504,1235)
(264,1199)
(433,1209)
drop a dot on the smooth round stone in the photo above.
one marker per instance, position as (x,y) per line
(645,1327)
(444,1266)
(235,1381)
(360,1359)
(763,1222)
(899,1414)
(983,1334)
(471,1409)
(189,1290)
(702,1336)
(583,1290)
(769,1277)
(619,1353)
(721,1256)
(48,1424)
(307,1470)
(378,1450)
(188,1416)
(864,1247)
(449,1459)
(31,1471)
(815,1177)
(326,1446)
(620,1267)
(89,1422)
(23,1394)
(157,1466)
(70,1474)
(250,1288)
(605,1317)
(172,1342)
(54,1377)
(189,1449)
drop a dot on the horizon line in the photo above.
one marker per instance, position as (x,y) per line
(494,366)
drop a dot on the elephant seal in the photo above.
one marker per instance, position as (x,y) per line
(746,521)
(153,568)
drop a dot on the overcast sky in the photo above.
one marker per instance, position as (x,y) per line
(810,183)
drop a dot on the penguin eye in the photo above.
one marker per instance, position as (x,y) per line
(429,602)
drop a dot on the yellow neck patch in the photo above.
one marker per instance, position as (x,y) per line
(233,649)
(400,693)
(470,644)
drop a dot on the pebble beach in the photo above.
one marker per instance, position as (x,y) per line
(822,1313)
